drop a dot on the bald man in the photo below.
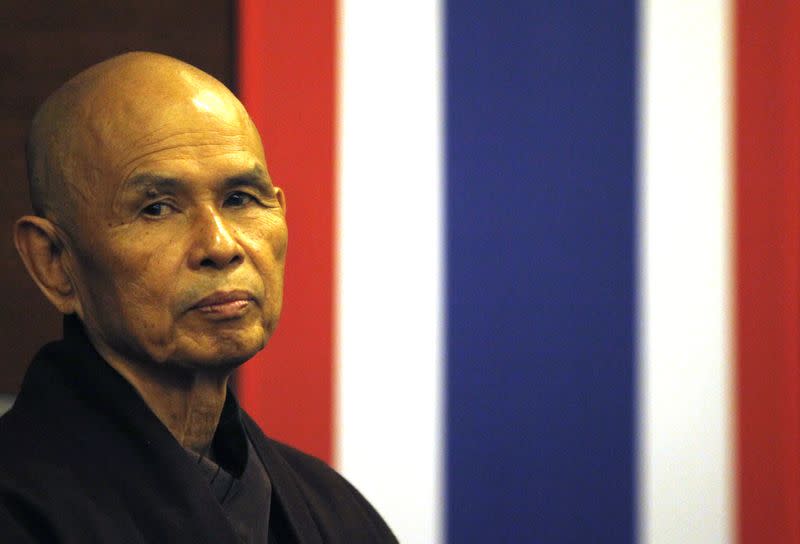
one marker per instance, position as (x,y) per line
(159,234)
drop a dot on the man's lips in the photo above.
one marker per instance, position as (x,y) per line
(224,303)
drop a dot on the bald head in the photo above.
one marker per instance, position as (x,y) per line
(153,197)
(99,122)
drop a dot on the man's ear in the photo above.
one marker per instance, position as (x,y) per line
(41,249)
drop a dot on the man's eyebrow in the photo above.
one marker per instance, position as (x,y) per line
(255,178)
(149,182)
(146,183)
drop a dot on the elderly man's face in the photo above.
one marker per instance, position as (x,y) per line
(180,237)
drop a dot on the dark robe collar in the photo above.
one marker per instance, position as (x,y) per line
(87,368)
(104,434)
(104,409)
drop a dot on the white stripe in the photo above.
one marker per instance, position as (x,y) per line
(686,353)
(389,422)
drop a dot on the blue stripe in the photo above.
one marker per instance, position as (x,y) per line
(540,273)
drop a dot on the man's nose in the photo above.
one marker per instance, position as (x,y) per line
(215,244)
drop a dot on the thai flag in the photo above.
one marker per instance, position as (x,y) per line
(543,281)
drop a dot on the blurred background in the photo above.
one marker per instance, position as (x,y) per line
(543,281)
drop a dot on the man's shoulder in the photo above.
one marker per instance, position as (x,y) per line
(26,436)
(34,481)
(36,459)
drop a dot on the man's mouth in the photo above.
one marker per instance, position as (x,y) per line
(224,303)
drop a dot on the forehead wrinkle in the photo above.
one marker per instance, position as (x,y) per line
(130,165)
(151,134)
(195,138)
(232,129)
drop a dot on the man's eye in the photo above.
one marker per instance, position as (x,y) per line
(238,199)
(157,209)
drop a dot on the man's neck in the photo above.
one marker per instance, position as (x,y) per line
(187,402)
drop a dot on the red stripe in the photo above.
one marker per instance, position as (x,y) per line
(286,81)
(768,270)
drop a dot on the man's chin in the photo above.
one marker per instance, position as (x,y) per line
(224,351)
(231,358)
